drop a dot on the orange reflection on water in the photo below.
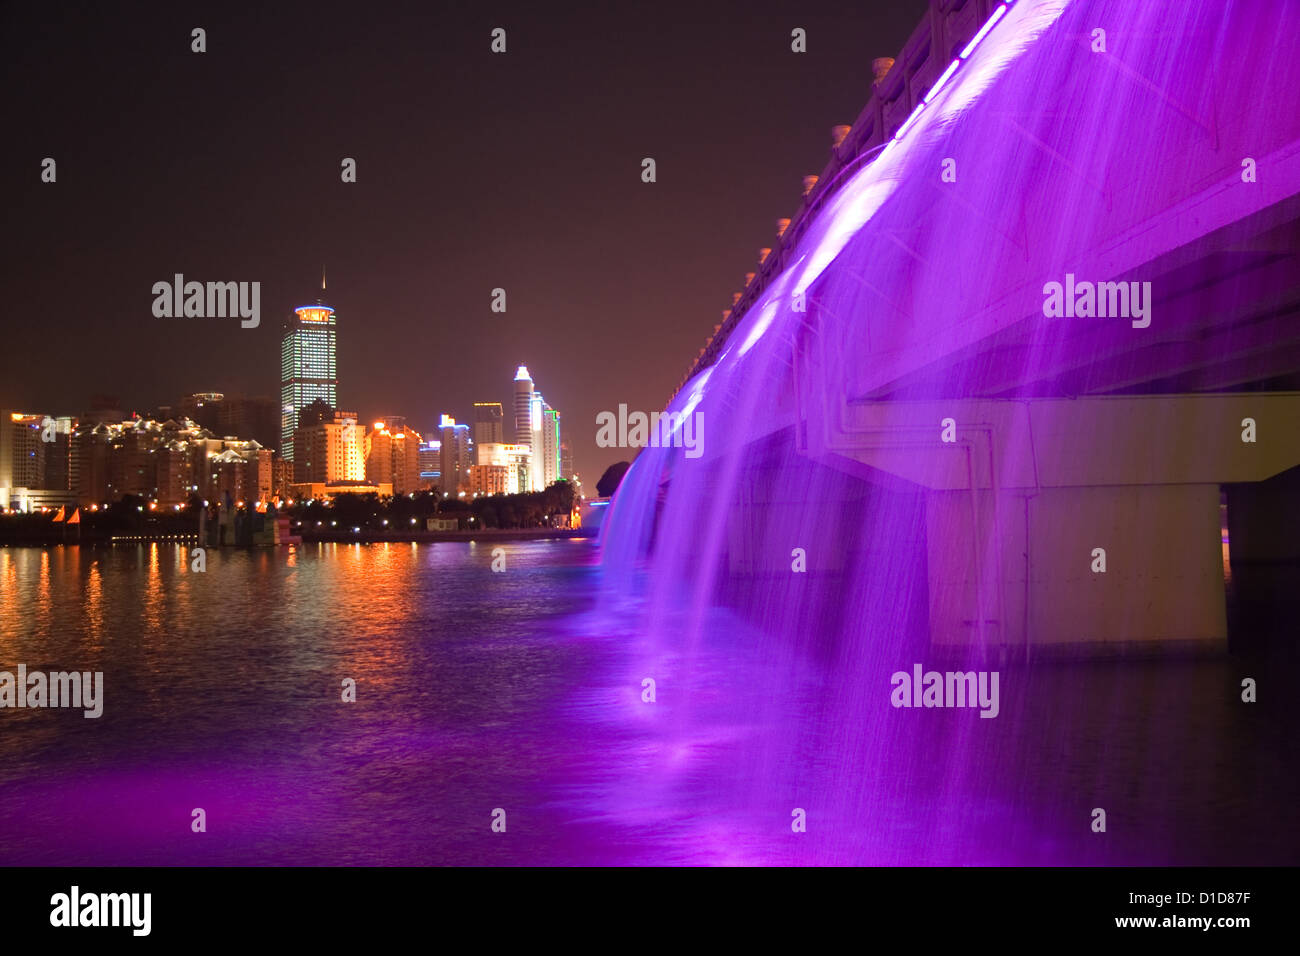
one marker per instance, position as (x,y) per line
(44,595)
(154,604)
(9,602)
(93,602)
(383,620)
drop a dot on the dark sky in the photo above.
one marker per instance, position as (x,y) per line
(475,171)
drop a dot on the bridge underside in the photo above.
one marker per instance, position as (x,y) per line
(1066,472)
(1074,473)
(1084,482)
(1014,539)
(1094,521)
(1228,308)
(1095,478)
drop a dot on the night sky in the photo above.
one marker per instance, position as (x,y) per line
(475,171)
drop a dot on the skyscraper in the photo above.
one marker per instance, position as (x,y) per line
(22,458)
(537,427)
(523,407)
(457,456)
(548,447)
(545,443)
(430,458)
(393,455)
(330,450)
(489,423)
(308,365)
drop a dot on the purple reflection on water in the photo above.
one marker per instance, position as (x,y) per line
(526,695)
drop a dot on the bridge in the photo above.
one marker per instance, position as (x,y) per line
(1046,290)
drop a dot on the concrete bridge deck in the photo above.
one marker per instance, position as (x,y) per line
(902,329)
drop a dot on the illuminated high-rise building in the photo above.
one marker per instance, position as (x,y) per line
(22,458)
(308,365)
(330,451)
(393,455)
(512,461)
(546,446)
(38,461)
(537,428)
(544,423)
(523,407)
(430,458)
(457,456)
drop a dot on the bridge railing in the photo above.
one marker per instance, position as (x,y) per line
(945,29)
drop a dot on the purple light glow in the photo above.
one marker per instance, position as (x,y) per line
(947,74)
(983,32)
(923,292)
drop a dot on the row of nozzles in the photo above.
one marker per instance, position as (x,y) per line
(880,67)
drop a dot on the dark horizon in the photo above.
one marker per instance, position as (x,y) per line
(474,171)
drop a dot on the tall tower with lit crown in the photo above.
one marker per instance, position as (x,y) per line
(523,407)
(308,365)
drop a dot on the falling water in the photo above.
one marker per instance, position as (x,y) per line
(772,684)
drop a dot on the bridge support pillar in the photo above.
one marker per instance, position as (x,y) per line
(1106,571)
(1088,525)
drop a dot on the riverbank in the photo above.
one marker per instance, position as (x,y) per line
(366,535)
(24,531)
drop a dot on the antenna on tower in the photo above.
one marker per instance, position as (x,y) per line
(322,278)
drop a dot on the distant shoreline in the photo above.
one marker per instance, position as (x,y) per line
(485,534)
(333,536)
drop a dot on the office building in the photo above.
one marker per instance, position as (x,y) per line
(308,366)
(523,407)
(456,455)
(547,445)
(489,423)
(37,465)
(430,459)
(393,455)
(515,459)
(537,426)
(330,451)
(489,479)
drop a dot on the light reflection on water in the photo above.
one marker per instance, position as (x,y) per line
(523,691)
(223,692)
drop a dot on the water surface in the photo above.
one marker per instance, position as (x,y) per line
(523,691)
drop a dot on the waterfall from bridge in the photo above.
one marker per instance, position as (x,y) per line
(772,588)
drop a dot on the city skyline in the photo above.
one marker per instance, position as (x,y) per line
(440,214)
(177,453)
(309,374)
